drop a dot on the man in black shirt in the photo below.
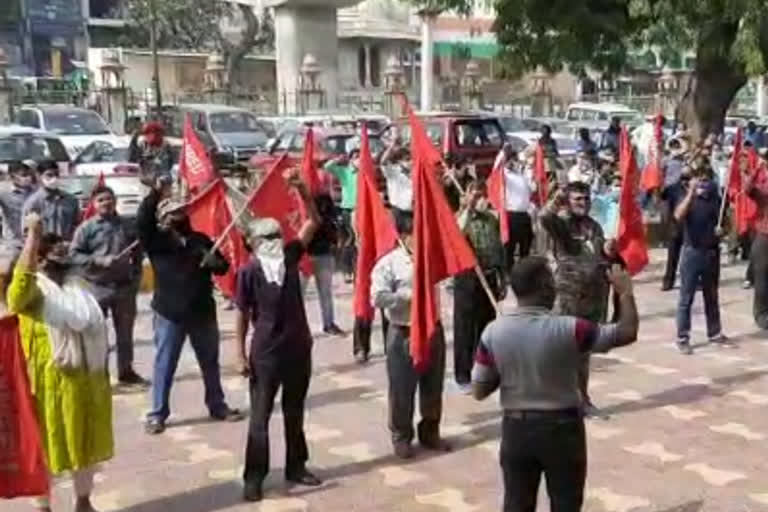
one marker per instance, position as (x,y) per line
(697,210)
(183,302)
(269,297)
(321,251)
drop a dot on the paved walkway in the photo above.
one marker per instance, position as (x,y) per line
(686,434)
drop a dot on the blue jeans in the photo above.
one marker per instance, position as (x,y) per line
(323,267)
(169,340)
(699,266)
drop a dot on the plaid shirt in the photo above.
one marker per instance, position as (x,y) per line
(482,232)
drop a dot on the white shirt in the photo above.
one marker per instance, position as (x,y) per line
(399,186)
(391,286)
(519,187)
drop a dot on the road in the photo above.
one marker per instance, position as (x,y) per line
(686,434)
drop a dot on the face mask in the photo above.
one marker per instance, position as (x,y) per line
(50,182)
(482,205)
(271,248)
(272,259)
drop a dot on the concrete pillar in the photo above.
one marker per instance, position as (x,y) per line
(368,77)
(302,27)
(114,108)
(5,104)
(427,56)
(761,106)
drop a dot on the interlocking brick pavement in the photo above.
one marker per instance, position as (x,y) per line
(685,434)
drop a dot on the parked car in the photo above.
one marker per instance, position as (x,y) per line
(476,138)
(128,190)
(567,147)
(77,127)
(588,111)
(222,129)
(23,143)
(510,123)
(110,158)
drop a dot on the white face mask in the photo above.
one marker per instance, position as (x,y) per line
(272,259)
(50,182)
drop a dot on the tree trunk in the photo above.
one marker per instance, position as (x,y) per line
(248,40)
(707,98)
(714,83)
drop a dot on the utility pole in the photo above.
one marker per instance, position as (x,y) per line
(155,59)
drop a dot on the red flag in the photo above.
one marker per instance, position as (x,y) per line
(630,241)
(195,168)
(90,209)
(652,178)
(734,171)
(373,223)
(209,213)
(497,196)
(440,249)
(275,199)
(540,175)
(431,156)
(308,165)
(22,462)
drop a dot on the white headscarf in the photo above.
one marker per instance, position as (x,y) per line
(269,251)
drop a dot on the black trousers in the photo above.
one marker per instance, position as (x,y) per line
(403,381)
(361,335)
(520,236)
(759,264)
(472,311)
(268,376)
(674,246)
(348,245)
(553,446)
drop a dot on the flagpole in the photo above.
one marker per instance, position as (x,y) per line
(722,200)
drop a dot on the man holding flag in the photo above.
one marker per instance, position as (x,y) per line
(404,282)
(269,298)
(105,247)
(756,186)
(183,263)
(472,308)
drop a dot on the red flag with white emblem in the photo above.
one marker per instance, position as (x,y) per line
(195,167)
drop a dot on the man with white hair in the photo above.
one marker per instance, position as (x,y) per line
(269,298)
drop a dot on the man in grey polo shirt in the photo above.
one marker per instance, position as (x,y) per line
(533,356)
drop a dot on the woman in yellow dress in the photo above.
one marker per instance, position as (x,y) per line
(64,338)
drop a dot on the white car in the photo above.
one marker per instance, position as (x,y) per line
(105,157)
(18,143)
(567,148)
(77,127)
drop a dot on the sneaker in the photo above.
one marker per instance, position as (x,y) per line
(333,330)
(684,346)
(131,378)
(154,426)
(303,477)
(723,341)
(252,491)
(667,287)
(464,388)
(403,450)
(227,414)
(361,357)
(746,285)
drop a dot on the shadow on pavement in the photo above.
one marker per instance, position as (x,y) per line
(685,394)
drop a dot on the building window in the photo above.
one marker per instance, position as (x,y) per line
(361,66)
(375,66)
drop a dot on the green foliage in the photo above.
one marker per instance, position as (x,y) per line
(602,34)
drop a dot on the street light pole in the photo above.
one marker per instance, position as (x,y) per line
(155,59)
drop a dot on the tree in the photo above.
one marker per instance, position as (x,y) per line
(200,25)
(729,38)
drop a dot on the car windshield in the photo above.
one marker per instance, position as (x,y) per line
(233,122)
(477,133)
(103,152)
(627,117)
(33,147)
(374,142)
(511,124)
(75,123)
(336,145)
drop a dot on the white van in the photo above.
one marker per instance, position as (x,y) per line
(604,112)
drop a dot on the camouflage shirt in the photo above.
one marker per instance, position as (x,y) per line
(575,248)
